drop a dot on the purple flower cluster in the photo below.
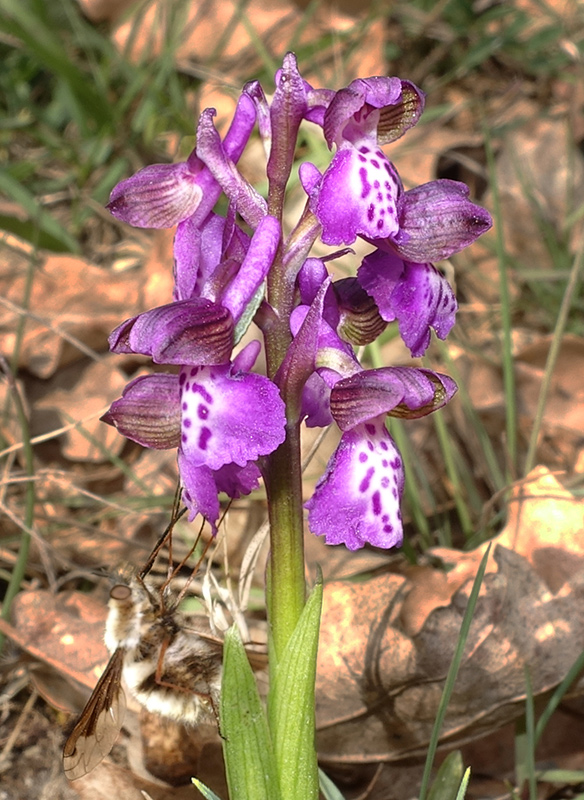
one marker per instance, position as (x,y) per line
(224,418)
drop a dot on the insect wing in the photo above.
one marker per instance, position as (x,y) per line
(99,724)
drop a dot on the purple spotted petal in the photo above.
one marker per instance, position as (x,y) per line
(200,494)
(357,196)
(158,196)
(407,392)
(193,331)
(356,502)
(201,486)
(148,412)
(436,220)
(417,295)
(229,416)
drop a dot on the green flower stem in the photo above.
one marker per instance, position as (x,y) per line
(286,585)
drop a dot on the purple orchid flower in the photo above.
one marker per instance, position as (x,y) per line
(361,194)
(225,419)
(357,500)
(162,195)
(417,295)
(204,411)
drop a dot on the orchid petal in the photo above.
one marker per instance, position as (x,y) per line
(356,502)
(194,331)
(210,150)
(148,412)
(400,391)
(254,268)
(217,426)
(417,295)
(436,220)
(379,107)
(201,486)
(358,195)
(200,494)
(158,196)
(287,110)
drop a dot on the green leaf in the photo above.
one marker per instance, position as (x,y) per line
(249,759)
(291,706)
(31,232)
(23,21)
(55,237)
(248,314)
(463,785)
(207,793)
(328,789)
(449,777)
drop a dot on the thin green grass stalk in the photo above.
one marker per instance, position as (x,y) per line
(471,493)
(452,673)
(305,21)
(29,500)
(491,462)
(553,356)
(412,490)
(23,20)
(452,471)
(228,32)
(561,776)
(507,345)
(556,698)
(25,302)
(327,787)
(530,736)
(207,793)
(270,65)
(555,248)
(463,785)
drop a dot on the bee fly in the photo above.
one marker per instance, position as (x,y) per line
(170,668)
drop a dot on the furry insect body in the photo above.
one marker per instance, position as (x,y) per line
(167,665)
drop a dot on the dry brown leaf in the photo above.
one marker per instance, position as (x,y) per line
(563,420)
(378,689)
(73,304)
(80,394)
(63,631)
(536,156)
(338,563)
(544,524)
